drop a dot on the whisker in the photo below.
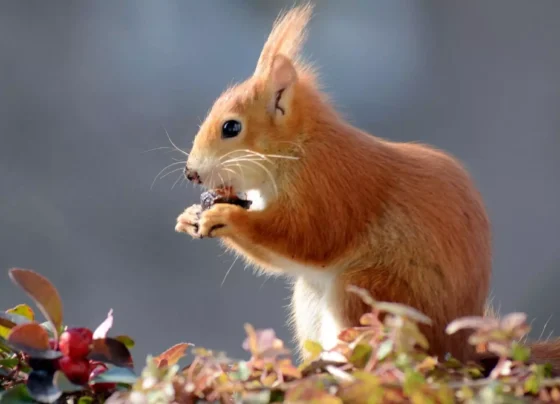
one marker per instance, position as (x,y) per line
(229,170)
(241,173)
(221,178)
(171,172)
(281,156)
(174,145)
(181,176)
(545,325)
(157,175)
(156,148)
(254,153)
(236,164)
(264,157)
(211,184)
(229,153)
(270,176)
(229,270)
(251,152)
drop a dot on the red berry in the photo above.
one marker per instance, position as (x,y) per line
(53,344)
(75,342)
(76,370)
(100,387)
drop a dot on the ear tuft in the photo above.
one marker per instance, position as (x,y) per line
(287,36)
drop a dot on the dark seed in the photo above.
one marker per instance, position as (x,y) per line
(209,198)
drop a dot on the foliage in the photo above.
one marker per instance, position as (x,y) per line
(382,360)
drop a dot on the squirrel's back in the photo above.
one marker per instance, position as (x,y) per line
(407,218)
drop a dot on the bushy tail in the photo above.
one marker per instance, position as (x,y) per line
(542,352)
(546,352)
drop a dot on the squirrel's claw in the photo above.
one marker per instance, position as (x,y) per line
(217,221)
(187,222)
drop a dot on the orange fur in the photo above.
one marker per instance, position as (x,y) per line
(340,206)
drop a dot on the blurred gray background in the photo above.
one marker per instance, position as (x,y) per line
(87,87)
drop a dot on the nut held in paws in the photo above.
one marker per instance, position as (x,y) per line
(209,198)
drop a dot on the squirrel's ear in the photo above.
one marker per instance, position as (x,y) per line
(282,76)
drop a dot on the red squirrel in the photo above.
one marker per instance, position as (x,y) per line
(334,206)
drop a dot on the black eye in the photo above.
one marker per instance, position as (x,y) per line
(231,128)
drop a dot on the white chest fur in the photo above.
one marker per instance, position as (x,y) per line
(314,303)
(315,311)
(258,200)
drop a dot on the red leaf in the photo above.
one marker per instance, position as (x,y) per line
(42,291)
(111,351)
(32,339)
(513,320)
(350,334)
(103,328)
(471,322)
(171,356)
(30,335)
(4,322)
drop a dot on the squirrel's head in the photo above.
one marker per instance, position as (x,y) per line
(252,129)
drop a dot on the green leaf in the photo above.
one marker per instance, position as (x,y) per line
(420,398)
(63,384)
(367,386)
(547,370)
(366,377)
(9,321)
(243,372)
(520,352)
(9,362)
(445,395)
(49,328)
(4,347)
(23,310)
(116,375)
(85,400)
(413,382)
(360,355)
(532,384)
(276,396)
(16,395)
(42,291)
(314,348)
(126,340)
(412,331)
(384,349)
(466,393)
(257,397)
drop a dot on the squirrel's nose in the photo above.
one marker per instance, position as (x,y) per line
(192,175)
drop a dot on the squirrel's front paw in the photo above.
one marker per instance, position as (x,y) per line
(219,220)
(188,221)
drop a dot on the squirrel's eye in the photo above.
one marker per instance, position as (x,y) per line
(231,128)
